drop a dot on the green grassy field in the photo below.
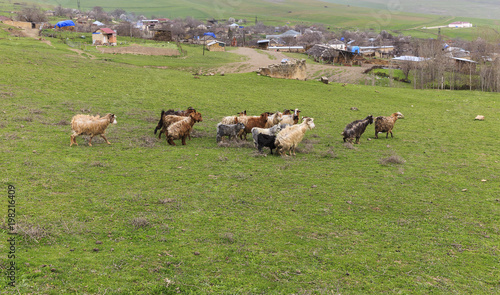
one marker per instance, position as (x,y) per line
(337,17)
(479,9)
(142,217)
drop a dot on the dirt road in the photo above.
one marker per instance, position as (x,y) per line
(259,58)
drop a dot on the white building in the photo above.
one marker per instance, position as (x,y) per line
(460,25)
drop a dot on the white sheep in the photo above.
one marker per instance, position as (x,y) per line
(289,138)
(90,125)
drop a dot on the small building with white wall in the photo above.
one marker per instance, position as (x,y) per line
(460,25)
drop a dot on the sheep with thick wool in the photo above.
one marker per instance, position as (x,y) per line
(178,115)
(240,118)
(90,125)
(229,130)
(268,131)
(386,124)
(182,128)
(356,129)
(289,118)
(288,139)
(273,119)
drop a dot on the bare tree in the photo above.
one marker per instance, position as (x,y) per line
(31,14)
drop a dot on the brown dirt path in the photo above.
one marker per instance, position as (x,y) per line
(259,58)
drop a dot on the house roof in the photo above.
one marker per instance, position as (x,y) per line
(464,60)
(108,31)
(213,42)
(459,23)
(410,58)
(286,47)
(263,41)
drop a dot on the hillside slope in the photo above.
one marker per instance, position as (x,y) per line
(478,9)
(270,12)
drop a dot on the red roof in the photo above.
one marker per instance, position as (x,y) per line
(108,31)
(2,18)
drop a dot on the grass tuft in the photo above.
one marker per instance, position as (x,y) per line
(147,141)
(166,201)
(349,145)
(30,232)
(394,159)
(140,222)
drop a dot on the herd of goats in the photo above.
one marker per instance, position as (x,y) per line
(281,130)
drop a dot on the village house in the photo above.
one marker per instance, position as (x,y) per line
(216,46)
(282,37)
(104,36)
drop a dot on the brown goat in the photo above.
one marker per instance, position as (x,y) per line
(254,121)
(90,125)
(161,125)
(182,129)
(386,124)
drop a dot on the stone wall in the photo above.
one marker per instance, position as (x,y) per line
(286,70)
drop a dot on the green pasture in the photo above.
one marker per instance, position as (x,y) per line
(279,13)
(479,9)
(413,214)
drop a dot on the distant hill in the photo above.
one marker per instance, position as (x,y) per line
(376,15)
(489,9)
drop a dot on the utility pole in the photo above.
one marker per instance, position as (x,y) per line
(78,4)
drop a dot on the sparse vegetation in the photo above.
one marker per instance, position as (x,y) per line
(207,218)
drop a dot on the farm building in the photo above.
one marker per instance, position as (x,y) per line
(162,35)
(378,51)
(26,25)
(460,25)
(464,65)
(327,53)
(216,46)
(104,36)
(264,44)
(282,37)
(68,25)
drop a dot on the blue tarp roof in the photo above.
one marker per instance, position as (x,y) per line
(65,23)
(209,34)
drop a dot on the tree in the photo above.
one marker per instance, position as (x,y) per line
(31,14)
(117,13)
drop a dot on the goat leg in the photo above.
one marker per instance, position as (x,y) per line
(73,140)
(102,135)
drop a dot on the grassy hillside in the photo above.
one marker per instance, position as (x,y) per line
(466,8)
(335,16)
(408,214)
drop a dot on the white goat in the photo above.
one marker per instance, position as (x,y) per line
(90,125)
(288,139)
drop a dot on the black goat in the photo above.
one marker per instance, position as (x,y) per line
(356,129)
